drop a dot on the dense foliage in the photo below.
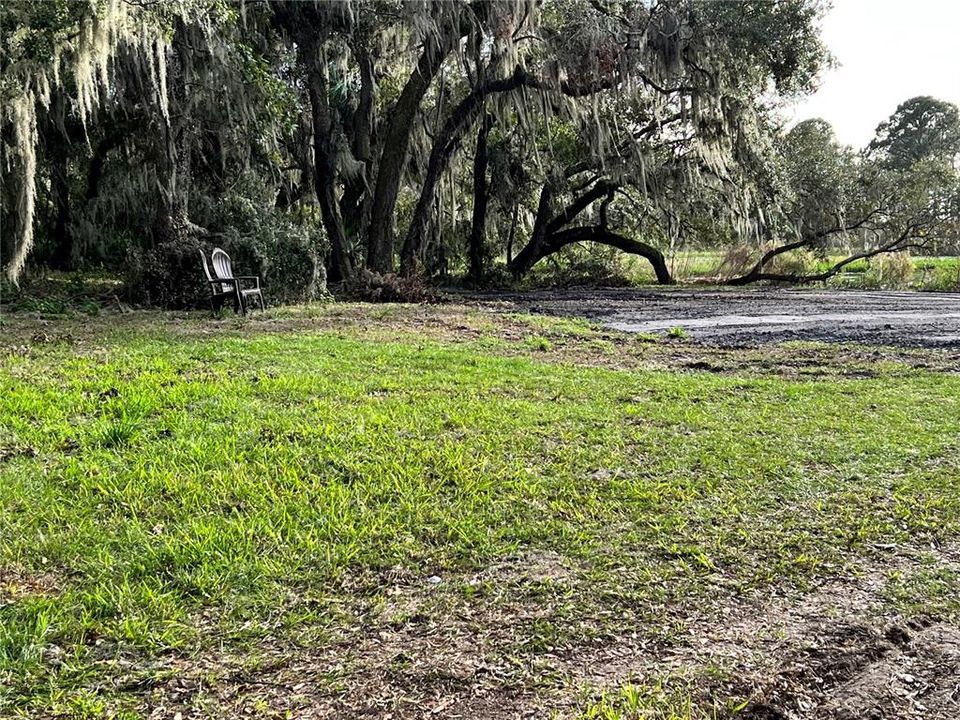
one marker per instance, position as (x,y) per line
(469,138)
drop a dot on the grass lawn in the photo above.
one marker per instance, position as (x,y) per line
(349,509)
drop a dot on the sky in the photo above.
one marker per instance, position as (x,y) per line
(887,51)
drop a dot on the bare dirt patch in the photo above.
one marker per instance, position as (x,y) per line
(423,648)
(837,652)
(856,672)
(16,584)
(536,566)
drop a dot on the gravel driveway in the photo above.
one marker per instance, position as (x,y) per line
(757,316)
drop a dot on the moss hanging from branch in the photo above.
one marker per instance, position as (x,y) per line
(38,60)
(25,156)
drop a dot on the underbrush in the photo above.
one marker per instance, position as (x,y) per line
(586,271)
(285,254)
(374,287)
(901,271)
(60,294)
(894,271)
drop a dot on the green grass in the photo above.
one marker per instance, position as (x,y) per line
(937,273)
(163,493)
(642,702)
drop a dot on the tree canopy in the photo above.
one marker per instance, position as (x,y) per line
(922,128)
(458,137)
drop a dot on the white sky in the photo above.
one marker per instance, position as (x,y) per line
(887,51)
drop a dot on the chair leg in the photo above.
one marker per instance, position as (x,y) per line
(238,300)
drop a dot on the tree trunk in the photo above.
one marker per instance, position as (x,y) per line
(478,228)
(355,203)
(533,251)
(172,219)
(95,171)
(114,133)
(55,135)
(393,157)
(64,253)
(512,233)
(445,144)
(900,243)
(341,267)
(756,272)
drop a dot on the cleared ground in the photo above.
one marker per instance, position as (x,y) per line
(376,511)
(756,316)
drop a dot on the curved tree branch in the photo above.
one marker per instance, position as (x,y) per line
(598,234)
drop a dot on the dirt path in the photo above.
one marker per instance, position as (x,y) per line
(758,316)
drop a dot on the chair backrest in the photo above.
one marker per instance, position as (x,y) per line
(221,268)
(206,268)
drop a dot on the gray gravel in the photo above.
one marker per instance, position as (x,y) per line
(757,316)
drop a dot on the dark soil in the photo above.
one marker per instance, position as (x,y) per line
(758,316)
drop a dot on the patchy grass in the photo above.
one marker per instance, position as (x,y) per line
(656,702)
(926,590)
(222,500)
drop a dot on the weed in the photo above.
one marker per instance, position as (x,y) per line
(654,701)
(540,343)
(118,434)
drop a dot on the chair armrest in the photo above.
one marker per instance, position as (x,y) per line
(255,279)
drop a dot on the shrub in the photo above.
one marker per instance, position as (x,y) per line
(588,264)
(284,256)
(740,259)
(284,249)
(737,260)
(795,262)
(890,270)
(168,275)
(495,275)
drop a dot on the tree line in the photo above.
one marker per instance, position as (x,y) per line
(359,138)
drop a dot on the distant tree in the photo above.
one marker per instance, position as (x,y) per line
(127,127)
(922,128)
(820,176)
(876,206)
